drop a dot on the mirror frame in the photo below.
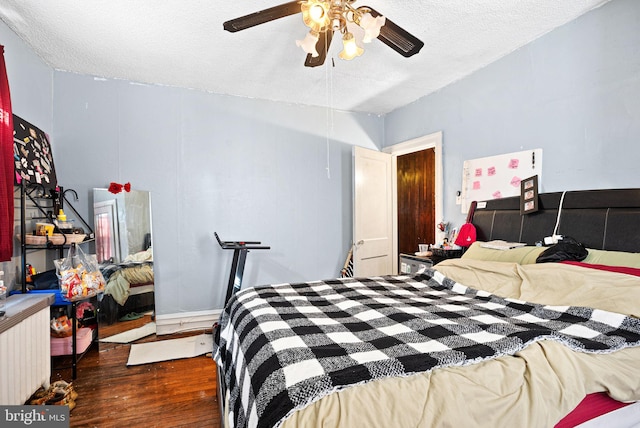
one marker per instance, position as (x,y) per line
(128,235)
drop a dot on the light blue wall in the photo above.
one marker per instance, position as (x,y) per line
(248,169)
(30,81)
(31,86)
(575,93)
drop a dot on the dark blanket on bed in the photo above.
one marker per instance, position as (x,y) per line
(108,269)
(283,347)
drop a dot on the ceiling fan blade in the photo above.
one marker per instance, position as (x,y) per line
(397,38)
(324,41)
(262,16)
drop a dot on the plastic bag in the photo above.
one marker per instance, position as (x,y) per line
(566,249)
(79,275)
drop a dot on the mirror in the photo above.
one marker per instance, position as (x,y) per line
(122,225)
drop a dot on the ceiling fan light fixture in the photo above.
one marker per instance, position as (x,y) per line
(371,26)
(315,14)
(308,44)
(326,18)
(350,48)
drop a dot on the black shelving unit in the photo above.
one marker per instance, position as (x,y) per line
(75,356)
(47,202)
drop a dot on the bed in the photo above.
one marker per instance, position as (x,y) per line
(491,339)
(129,286)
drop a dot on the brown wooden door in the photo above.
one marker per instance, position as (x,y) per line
(416,200)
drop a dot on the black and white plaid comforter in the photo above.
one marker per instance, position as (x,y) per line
(283,347)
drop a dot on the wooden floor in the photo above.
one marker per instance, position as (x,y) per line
(179,393)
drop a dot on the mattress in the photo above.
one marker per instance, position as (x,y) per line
(534,386)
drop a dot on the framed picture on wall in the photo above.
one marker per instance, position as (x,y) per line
(529,195)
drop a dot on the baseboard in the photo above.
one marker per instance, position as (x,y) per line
(186,321)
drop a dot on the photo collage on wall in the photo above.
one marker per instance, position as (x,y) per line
(32,155)
(529,195)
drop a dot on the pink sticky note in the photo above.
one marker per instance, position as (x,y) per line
(476,185)
(515,181)
(513,163)
(491,170)
(478,172)
(497,194)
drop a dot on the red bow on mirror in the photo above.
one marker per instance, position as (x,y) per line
(117,188)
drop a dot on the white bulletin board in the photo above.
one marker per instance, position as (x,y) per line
(498,176)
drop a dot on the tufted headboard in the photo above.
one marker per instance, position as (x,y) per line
(600,219)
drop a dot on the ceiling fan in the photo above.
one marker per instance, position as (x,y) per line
(324,17)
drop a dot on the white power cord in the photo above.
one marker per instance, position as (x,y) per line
(553,239)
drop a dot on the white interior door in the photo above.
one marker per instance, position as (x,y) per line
(372,213)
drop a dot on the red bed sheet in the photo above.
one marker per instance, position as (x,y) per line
(600,403)
(592,406)
(620,269)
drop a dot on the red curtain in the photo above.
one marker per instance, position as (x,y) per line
(6,165)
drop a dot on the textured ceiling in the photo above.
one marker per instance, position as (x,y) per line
(182,43)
